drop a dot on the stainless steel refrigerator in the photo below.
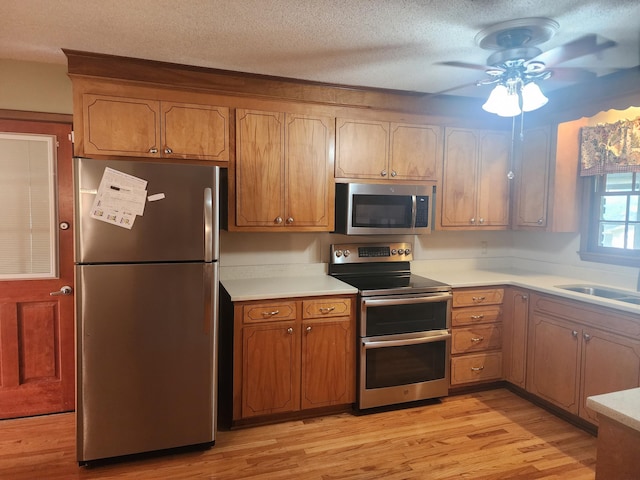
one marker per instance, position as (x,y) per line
(146,255)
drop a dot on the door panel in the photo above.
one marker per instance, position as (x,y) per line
(171,228)
(36,329)
(145,357)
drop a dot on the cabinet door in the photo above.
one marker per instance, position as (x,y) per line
(270,369)
(195,131)
(610,363)
(554,361)
(459,178)
(493,183)
(328,363)
(362,149)
(259,168)
(309,178)
(415,151)
(532,179)
(516,314)
(121,126)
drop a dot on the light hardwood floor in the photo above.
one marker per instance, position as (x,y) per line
(486,435)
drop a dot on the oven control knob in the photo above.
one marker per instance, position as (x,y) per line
(407,251)
(400,251)
(347,253)
(393,251)
(338,253)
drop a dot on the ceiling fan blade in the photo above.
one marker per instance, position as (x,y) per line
(473,66)
(568,74)
(585,45)
(458,87)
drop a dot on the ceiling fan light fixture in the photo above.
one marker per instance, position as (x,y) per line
(532,97)
(502,102)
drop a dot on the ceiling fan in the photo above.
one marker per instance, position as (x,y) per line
(517,65)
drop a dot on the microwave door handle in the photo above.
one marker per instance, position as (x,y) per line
(439,337)
(414,210)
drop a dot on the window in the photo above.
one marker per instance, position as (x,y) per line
(612,233)
(28,234)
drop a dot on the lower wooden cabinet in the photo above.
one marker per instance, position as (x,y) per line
(514,347)
(577,350)
(476,335)
(293,355)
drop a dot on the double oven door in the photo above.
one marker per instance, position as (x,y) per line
(405,341)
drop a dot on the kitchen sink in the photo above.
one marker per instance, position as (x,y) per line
(603,292)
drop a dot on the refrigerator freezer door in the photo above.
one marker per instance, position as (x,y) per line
(171,228)
(146,357)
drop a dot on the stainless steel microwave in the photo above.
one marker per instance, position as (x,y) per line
(382,209)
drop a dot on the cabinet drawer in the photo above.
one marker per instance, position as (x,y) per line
(475,339)
(476,368)
(472,316)
(326,307)
(265,312)
(483,296)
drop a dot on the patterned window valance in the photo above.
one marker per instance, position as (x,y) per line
(610,148)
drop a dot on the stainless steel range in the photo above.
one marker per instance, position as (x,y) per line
(404,322)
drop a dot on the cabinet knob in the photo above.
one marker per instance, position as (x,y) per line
(278,220)
(587,337)
(393,173)
(153,150)
(482,220)
(473,220)
(308,329)
(290,220)
(574,333)
(525,297)
(290,331)
(168,150)
(383,173)
(540,221)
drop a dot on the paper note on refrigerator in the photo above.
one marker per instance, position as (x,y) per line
(119,199)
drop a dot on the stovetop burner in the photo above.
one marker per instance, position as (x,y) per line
(380,269)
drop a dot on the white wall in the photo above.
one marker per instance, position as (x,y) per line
(35,87)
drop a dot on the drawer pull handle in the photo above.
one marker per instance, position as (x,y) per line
(477,369)
(477,339)
(478,299)
(327,309)
(271,313)
(477,317)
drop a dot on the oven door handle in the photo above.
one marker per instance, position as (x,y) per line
(406,300)
(439,337)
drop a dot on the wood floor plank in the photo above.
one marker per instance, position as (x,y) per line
(492,435)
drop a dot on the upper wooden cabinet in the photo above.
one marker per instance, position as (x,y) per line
(139,127)
(282,172)
(546,194)
(475,186)
(379,150)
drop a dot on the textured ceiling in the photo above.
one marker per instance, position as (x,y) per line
(390,44)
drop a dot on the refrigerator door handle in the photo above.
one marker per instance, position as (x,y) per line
(208,225)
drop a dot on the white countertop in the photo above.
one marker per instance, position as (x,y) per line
(532,280)
(622,406)
(285,287)
(318,283)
